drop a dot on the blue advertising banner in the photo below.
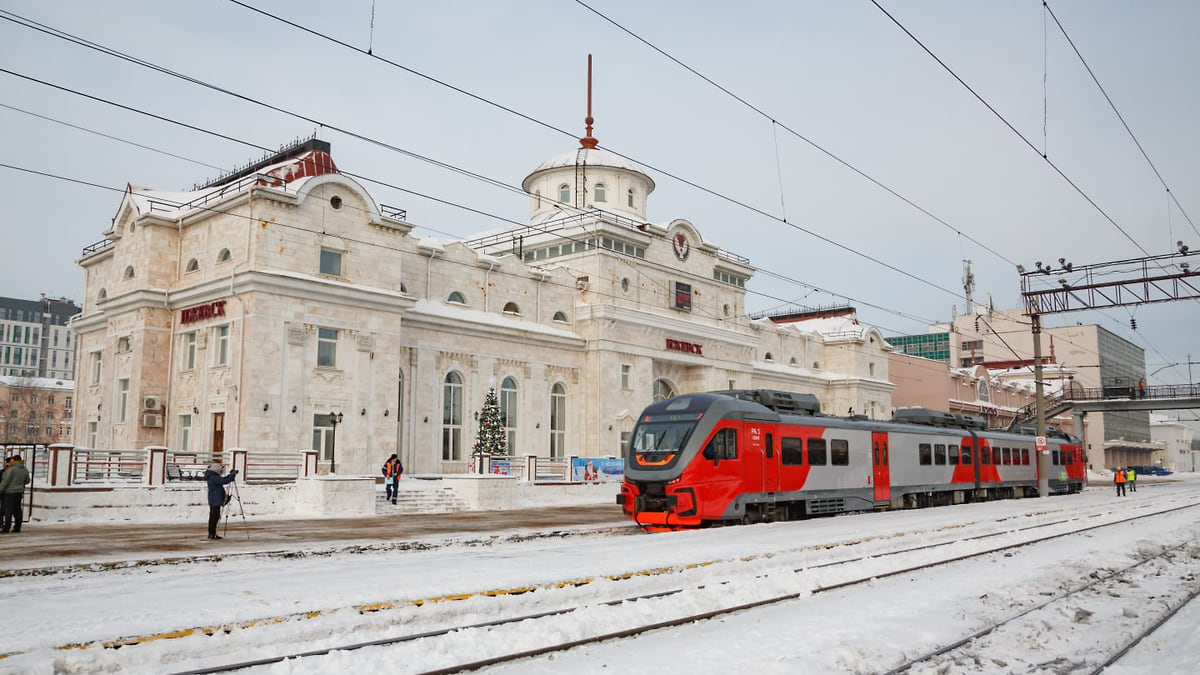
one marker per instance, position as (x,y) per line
(502,467)
(597,469)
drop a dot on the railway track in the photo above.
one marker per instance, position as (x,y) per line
(1003,535)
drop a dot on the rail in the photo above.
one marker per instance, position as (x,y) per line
(1160,391)
(98,246)
(393,212)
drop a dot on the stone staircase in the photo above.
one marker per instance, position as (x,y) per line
(420,496)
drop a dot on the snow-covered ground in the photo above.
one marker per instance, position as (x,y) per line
(262,606)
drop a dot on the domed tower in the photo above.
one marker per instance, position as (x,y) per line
(587,178)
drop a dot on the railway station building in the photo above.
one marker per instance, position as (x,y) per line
(282,308)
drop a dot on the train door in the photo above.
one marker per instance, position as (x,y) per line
(770,465)
(881,475)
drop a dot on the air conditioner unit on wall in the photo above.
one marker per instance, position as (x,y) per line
(152,420)
(151,403)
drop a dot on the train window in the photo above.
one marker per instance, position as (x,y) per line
(839,452)
(939,454)
(1025,456)
(925,453)
(985,455)
(966,454)
(723,445)
(1055,458)
(816,451)
(770,446)
(791,450)
(953,455)
(1005,456)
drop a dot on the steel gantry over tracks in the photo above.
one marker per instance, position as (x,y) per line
(1137,281)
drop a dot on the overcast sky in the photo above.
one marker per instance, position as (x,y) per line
(841,75)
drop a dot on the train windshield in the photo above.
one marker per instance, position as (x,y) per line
(660,436)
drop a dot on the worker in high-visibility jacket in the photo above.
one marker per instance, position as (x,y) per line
(392,470)
(1119,479)
(1131,480)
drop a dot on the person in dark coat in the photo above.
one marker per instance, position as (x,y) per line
(216,495)
(12,488)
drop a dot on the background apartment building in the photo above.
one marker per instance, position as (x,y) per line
(35,340)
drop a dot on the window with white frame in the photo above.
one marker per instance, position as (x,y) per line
(664,390)
(625,371)
(221,351)
(323,437)
(122,399)
(97,364)
(187,360)
(598,192)
(327,339)
(185,432)
(93,432)
(452,417)
(558,420)
(508,412)
(564,193)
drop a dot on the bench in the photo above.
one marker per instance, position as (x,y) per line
(175,472)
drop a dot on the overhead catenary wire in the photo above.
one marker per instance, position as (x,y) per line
(1111,104)
(495,182)
(485,100)
(1011,128)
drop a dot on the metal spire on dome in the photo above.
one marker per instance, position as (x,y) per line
(589,142)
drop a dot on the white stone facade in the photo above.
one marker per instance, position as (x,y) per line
(243,315)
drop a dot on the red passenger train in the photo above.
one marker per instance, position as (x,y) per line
(762,455)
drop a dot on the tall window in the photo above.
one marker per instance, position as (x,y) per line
(508,412)
(93,432)
(452,410)
(564,193)
(629,196)
(97,362)
(327,347)
(625,369)
(598,192)
(185,432)
(982,391)
(221,353)
(122,398)
(188,361)
(558,420)
(331,262)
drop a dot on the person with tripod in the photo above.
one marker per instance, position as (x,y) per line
(216,495)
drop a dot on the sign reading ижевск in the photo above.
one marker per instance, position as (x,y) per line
(209,310)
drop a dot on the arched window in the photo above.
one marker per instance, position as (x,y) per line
(129,272)
(224,255)
(769,357)
(511,308)
(629,196)
(558,420)
(564,193)
(793,362)
(102,295)
(452,410)
(560,316)
(457,298)
(508,413)
(664,390)
(982,391)
(598,192)
(192,265)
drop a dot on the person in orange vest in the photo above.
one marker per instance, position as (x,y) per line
(392,470)
(1119,479)
(1131,480)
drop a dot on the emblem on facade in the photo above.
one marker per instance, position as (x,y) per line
(681,246)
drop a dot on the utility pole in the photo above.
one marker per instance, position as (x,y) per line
(1039,402)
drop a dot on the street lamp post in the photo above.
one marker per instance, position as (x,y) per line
(334,420)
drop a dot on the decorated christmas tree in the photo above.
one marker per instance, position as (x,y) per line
(491,438)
